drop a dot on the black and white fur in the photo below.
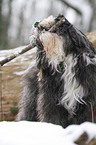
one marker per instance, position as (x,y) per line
(66,94)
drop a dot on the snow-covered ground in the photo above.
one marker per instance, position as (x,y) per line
(36,133)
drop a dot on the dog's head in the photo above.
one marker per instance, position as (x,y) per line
(56,45)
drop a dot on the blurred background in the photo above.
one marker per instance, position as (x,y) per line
(17,17)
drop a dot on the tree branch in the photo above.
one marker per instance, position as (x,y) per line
(71,6)
(30,46)
(11,57)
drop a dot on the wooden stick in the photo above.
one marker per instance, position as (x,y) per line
(40,74)
(9,58)
(54,27)
(92,112)
(30,46)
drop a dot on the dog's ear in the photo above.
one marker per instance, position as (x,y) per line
(77,42)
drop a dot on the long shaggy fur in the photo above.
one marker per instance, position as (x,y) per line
(66,93)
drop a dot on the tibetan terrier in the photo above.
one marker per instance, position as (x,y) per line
(61,88)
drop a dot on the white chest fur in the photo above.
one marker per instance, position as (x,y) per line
(73,91)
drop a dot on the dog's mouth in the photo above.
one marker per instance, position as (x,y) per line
(52,43)
(53,46)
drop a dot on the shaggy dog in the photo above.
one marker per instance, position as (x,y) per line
(61,88)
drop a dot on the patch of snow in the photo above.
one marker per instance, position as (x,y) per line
(19,73)
(37,133)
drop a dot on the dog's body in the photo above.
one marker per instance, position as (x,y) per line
(66,92)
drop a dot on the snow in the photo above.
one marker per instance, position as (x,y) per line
(37,133)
